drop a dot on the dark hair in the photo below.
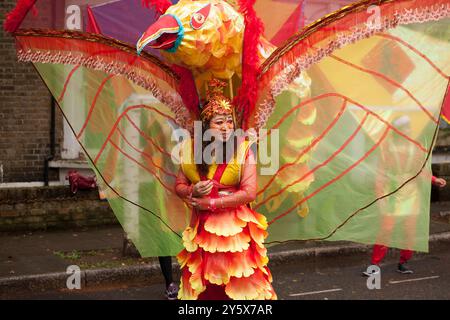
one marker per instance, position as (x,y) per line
(203,167)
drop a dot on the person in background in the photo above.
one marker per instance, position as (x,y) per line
(379,251)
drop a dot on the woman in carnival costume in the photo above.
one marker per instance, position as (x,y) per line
(224,255)
(332,89)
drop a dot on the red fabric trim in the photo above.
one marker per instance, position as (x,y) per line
(88,48)
(325,28)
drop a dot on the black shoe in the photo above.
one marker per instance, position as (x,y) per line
(402,268)
(172,292)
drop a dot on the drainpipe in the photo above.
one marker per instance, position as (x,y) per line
(52,141)
(52,115)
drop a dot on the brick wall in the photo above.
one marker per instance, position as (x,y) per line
(25,108)
(44,208)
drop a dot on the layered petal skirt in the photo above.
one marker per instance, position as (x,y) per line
(225,257)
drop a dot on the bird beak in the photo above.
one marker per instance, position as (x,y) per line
(166,33)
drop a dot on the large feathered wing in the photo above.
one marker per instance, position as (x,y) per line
(356,99)
(125,111)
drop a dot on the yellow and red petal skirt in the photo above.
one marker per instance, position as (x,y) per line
(225,257)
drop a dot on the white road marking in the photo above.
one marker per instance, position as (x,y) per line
(417,279)
(313,292)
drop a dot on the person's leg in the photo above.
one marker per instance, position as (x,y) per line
(405,255)
(410,232)
(386,223)
(166,268)
(378,253)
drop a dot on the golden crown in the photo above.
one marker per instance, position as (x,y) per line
(217,102)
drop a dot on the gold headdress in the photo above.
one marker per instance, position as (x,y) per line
(217,102)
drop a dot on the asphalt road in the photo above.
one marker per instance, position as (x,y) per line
(332,278)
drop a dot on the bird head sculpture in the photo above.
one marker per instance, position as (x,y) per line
(205,36)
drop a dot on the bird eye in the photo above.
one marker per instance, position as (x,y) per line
(199,18)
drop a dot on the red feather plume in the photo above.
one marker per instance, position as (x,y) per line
(16,16)
(247,94)
(160,6)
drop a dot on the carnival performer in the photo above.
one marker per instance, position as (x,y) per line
(344,165)
(224,255)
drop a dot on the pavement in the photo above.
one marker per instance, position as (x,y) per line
(37,261)
(326,278)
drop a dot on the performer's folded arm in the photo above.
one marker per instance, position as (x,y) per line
(183,187)
(247,187)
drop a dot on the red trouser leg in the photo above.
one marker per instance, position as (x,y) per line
(405,255)
(378,253)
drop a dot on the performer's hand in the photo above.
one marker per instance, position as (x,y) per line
(440,182)
(202,188)
(199,203)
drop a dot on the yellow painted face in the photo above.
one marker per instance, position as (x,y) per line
(204,35)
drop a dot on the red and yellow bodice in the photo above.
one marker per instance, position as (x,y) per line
(232,173)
